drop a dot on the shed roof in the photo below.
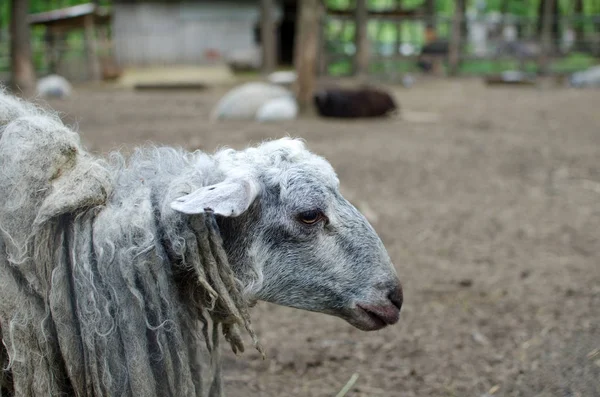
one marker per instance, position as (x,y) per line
(192,1)
(70,15)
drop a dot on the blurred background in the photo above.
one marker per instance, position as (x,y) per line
(90,41)
(484,184)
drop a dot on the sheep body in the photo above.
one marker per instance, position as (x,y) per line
(284,108)
(103,288)
(118,275)
(244,101)
(283,77)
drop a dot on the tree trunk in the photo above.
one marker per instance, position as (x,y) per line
(455,38)
(361,39)
(267,33)
(430,22)
(462,5)
(547,45)
(578,24)
(23,73)
(321,43)
(1,19)
(551,8)
(305,53)
(504,13)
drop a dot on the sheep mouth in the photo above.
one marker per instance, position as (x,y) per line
(373,318)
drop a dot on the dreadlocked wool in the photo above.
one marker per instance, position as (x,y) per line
(104,289)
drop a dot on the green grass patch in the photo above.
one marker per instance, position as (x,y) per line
(340,68)
(488,67)
(569,64)
(574,62)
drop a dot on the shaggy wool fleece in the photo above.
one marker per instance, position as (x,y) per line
(104,289)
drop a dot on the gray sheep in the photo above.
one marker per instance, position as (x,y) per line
(118,276)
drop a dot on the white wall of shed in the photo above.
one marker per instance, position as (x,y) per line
(150,34)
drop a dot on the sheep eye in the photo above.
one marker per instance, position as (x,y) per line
(310,217)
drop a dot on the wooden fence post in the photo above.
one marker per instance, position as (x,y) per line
(399,25)
(455,38)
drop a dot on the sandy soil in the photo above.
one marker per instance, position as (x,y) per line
(492,217)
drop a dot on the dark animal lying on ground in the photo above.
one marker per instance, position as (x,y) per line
(118,276)
(354,103)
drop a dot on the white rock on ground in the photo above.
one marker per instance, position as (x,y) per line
(54,86)
(586,78)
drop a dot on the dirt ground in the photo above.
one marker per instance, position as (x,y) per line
(491,215)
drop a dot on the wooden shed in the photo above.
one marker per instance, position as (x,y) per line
(163,32)
(89,18)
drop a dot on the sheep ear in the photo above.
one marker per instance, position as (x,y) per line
(227,198)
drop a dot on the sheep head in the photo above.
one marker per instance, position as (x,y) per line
(293,239)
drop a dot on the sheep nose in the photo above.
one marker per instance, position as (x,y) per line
(395,295)
(393,292)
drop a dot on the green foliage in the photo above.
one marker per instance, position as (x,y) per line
(4,14)
(516,7)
